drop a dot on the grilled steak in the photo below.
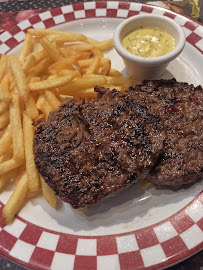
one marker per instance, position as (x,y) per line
(180,108)
(89,151)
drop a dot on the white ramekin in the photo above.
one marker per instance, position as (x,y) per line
(153,67)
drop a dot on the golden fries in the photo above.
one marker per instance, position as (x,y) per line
(45,32)
(29,63)
(53,53)
(49,84)
(16,127)
(52,68)
(27,44)
(48,193)
(4,88)
(4,119)
(16,200)
(19,76)
(32,173)
(3,65)
(9,165)
(83,83)
(4,177)
(31,108)
(93,66)
(52,99)
(64,63)
(3,107)
(44,106)
(5,141)
(3,180)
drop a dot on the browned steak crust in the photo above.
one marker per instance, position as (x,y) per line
(180,107)
(89,151)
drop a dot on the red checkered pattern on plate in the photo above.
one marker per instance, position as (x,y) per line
(164,243)
(147,248)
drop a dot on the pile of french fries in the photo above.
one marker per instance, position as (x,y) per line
(53,67)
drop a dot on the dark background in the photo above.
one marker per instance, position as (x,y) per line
(12,12)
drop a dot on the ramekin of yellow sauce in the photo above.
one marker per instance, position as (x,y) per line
(149,41)
(147,44)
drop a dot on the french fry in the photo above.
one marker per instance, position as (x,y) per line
(17,173)
(82,83)
(52,77)
(39,54)
(19,76)
(144,184)
(53,53)
(34,79)
(104,45)
(48,193)
(67,52)
(105,68)
(31,195)
(115,73)
(3,65)
(46,109)
(93,66)
(12,83)
(15,201)
(85,93)
(49,84)
(126,81)
(46,32)
(60,39)
(4,119)
(85,62)
(29,63)
(31,108)
(84,55)
(40,116)
(115,81)
(44,106)
(32,173)
(4,88)
(81,47)
(27,45)
(16,127)
(64,99)
(97,52)
(3,107)
(3,180)
(40,67)
(64,72)
(90,40)
(52,99)
(9,165)
(5,141)
(64,63)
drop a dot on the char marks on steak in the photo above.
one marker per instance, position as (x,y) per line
(89,151)
(180,108)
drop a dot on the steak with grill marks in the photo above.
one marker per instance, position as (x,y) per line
(180,108)
(89,151)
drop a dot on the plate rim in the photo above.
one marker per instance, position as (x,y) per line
(18,31)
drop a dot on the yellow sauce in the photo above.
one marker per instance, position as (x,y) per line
(149,42)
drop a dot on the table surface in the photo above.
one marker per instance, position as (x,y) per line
(15,11)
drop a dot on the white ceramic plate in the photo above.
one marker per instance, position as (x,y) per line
(138,229)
